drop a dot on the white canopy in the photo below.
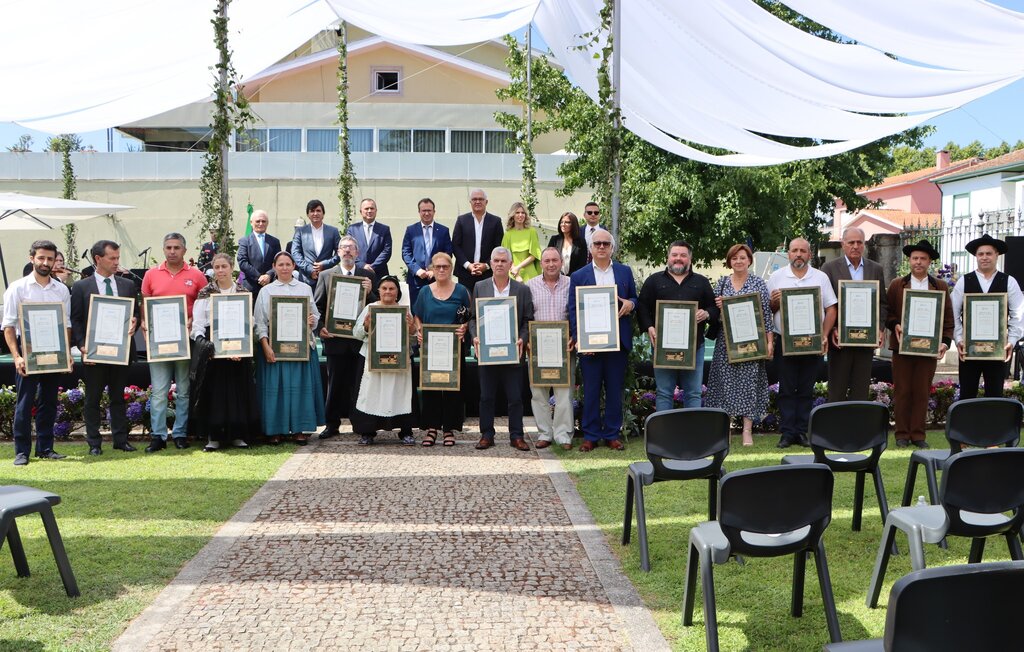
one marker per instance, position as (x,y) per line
(20,212)
(722,73)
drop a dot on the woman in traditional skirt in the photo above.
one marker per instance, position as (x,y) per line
(224,407)
(291,394)
(385,397)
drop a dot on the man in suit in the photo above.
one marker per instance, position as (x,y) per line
(206,253)
(476,234)
(106,256)
(256,253)
(606,370)
(912,374)
(373,238)
(314,245)
(344,364)
(591,221)
(422,240)
(849,369)
(508,376)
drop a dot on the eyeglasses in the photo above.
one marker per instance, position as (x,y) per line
(478,199)
(602,243)
(439,267)
(593,212)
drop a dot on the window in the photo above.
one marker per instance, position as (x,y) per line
(251,140)
(962,205)
(428,140)
(467,142)
(285,140)
(394,140)
(386,81)
(321,140)
(360,140)
(497,142)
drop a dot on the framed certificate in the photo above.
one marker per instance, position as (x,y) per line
(440,358)
(106,330)
(597,318)
(923,312)
(497,328)
(44,337)
(549,354)
(743,327)
(675,326)
(985,326)
(859,322)
(800,310)
(346,298)
(166,328)
(389,339)
(231,325)
(289,328)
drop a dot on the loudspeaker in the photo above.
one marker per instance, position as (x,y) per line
(1013,263)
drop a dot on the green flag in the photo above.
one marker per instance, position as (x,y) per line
(248,221)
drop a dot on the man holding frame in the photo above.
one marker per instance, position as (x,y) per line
(508,376)
(106,258)
(36,391)
(550,294)
(989,280)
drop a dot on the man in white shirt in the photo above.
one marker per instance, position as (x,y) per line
(373,239)
(985,279)
(550,292)
(798,373)
(474,237)
(38,391)
(314,244)
(591,224)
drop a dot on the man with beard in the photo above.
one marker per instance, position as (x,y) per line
(38,391)
(678,283)
(797,373)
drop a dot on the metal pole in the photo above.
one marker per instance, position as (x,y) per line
(616,89)
(223,10)
(529,84)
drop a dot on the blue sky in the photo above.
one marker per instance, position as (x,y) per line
(991,119)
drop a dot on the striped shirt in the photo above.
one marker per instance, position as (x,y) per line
(548,304)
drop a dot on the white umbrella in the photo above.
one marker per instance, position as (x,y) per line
(27,213)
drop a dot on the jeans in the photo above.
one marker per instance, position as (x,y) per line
(160,376)
(691,382)
(46,412)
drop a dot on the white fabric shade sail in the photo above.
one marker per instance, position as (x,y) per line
(27,212)
(721,73)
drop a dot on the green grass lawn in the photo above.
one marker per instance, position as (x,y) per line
(753,600)
(129,522)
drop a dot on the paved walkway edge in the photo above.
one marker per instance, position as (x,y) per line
(643,631)
(148,624)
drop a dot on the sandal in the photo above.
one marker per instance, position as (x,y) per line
(449,438)
(429,438)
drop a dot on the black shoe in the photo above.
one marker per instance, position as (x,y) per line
(128,448)
(95,450)
(328,433)
(802,441)
(784,442)
(50,455)
(156,445)
(365,440)
(921,444)
(902,443)
(180,442)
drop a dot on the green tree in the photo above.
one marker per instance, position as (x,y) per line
(64,144)
(910,159)
(23,145)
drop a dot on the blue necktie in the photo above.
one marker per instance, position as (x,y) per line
(259,239)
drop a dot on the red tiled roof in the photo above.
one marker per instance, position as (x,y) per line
(904,218)
(918,175)
(979,166)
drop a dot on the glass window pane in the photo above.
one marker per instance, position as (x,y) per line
(386,81)
(962,205)
(395,140)
(497,142)
(360,140)
(251,140)
(321,140)
(467,142)
(428,140)
(285,140)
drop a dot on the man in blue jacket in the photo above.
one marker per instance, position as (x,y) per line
(422,240)
(373,238)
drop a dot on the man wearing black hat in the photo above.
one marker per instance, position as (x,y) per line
(912,374)
(986,251)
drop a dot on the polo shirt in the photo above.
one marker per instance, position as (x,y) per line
(159,282)
(785,278)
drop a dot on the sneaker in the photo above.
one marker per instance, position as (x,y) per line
(50,455)
(239,443)
(365,440)
(21,459)
(408,440)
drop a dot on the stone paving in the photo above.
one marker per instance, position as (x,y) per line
(398,548)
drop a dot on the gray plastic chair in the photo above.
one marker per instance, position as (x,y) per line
(15,501)
(978,488)
(769,511)
(952,608)
(976,422)
(685,444)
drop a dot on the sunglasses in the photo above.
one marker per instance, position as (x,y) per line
(603,243)
(593,212)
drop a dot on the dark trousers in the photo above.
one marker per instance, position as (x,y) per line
(971,371)
(441,410)
(912,383)
(97,377)
(849,374)
(344,375)
(510,378)
(45,385)
(607,371)
(797,374)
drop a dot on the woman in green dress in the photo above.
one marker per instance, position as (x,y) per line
(521,239)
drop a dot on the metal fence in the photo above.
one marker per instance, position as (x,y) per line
(953,235)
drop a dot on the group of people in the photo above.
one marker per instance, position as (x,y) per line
(237,400)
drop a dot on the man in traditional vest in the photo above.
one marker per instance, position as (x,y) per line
(986,251)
